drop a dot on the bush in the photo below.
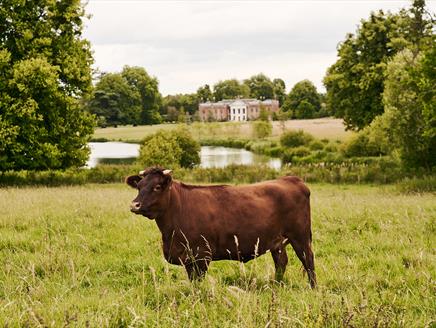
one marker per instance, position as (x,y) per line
(417,185)
(361,145)
(170,149)
(295,138)
(316,145)
(331,147)
(262,129)
(290,155)
(190,156)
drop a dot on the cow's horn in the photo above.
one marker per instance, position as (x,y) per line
(167,172)
(141,173)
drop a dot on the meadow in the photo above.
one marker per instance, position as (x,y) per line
(328,128)
(76,256)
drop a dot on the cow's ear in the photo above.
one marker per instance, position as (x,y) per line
(133,180)
(167,178)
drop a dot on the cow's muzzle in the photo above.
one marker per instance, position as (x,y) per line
(135,207)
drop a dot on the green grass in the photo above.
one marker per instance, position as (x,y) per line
(327,128)
(76,256)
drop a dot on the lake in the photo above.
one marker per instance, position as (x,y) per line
(121,152)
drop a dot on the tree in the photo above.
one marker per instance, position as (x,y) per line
(204,93)
(115,100)
(129,97)
(355,83)
(189,102)
(230,89)
(303,100)
(279,90)
(260,86)
(45,69)
(410,110)
(148,88)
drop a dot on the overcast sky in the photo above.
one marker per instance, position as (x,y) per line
(186,44)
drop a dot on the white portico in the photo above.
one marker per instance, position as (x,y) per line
(238,111)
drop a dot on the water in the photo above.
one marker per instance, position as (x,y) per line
(124,153)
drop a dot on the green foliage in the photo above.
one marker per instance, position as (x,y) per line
(128,97)
(409,98)
(355,83)
(362,145)
(170,149)
(204,93)
(230,89)
(160,149)
(290,154)
(262,129)
(316,145)
(279,90)
(189,103)
(260,86)
(303,100)
(44,69)
(190,148)
(295,138)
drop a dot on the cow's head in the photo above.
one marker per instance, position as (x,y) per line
(154,187)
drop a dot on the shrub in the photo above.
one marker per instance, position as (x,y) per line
(290,155)
(160,149)
(331,147)
(190,156)
(361,145)
(316,145)
(262,129)
(295,138)
(170,149)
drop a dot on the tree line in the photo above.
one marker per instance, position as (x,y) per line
(382,84)
(117,100)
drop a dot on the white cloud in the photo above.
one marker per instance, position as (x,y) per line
(188,43)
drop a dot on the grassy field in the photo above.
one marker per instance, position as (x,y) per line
(75,256)
(321,128)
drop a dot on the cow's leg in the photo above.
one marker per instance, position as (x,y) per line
(196,269)
(280,261)
(305,254)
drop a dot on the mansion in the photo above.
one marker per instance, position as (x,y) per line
(236,109)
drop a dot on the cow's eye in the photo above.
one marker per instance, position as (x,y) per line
(157,188)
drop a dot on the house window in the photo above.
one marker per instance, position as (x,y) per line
(243,110)
(233,111)
(239,111)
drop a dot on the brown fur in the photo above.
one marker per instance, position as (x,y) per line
(200,224)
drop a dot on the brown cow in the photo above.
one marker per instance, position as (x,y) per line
(200,224)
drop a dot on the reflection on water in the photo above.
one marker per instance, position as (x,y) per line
(223,156)
(125,153)
(120,152)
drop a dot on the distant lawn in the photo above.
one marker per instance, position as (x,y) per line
(328,128)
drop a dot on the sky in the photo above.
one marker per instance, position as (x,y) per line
(187,44)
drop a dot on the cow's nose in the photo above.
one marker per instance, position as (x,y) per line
(135,206)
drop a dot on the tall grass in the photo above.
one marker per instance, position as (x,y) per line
(76,256)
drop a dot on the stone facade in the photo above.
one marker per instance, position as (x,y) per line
(236,109)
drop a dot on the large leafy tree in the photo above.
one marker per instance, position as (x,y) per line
(303,100)
(129,97)
(355,83)
(204,93)
(409,121)
(279,90)
(44,71)
(260,86)
(114,101)
(230,89)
